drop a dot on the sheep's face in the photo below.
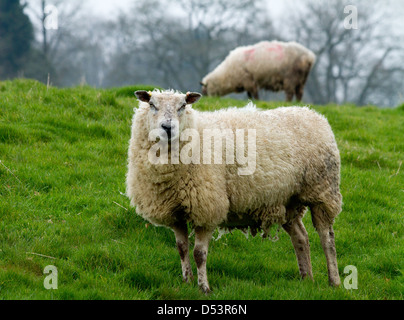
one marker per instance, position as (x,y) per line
(168,111)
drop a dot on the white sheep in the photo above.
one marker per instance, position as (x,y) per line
(274,66)
(297,165)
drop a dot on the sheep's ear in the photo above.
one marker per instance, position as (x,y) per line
(143,95)
(192,97)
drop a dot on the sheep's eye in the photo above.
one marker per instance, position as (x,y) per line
(153,107)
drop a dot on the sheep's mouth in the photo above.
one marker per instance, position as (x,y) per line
(168,136)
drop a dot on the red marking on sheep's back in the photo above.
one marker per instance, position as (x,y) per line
(277,49)
(249,54)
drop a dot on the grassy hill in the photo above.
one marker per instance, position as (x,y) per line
(63,156)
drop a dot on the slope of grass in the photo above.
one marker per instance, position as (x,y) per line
(63,159)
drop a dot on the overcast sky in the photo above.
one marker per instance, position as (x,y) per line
(106,7)
(110,8)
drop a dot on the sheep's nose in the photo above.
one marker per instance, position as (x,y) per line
(166,126)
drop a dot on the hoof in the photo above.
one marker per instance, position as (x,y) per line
(205,289)
(334,282)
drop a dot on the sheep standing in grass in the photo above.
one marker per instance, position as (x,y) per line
(297,165)
(274,66)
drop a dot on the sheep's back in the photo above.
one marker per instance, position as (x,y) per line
(289,142)
(273,61)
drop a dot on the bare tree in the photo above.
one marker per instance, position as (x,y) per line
(352,65)
(68,14)
(65,49)
(181,43)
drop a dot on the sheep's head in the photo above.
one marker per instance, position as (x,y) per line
(168,111)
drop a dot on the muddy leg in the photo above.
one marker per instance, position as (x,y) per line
(202,238)
(300,240)
(326,233)
(181,237)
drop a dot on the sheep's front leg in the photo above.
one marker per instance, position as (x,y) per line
(181,237)
(202,238)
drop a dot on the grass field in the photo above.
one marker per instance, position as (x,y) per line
(63,159)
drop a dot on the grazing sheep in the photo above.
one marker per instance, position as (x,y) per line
(297,165)
(266,65)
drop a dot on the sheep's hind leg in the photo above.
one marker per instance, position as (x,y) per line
(202,238)
(181,236)
(323,225)
(300,241)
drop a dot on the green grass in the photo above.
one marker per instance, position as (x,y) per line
(63,159)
